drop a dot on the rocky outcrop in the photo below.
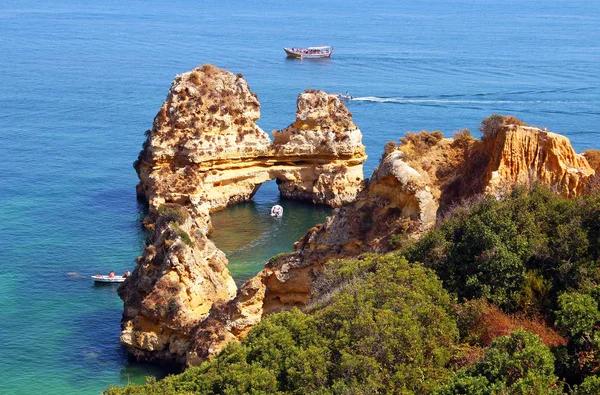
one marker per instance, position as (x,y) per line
(206,152)
(426,174)
(203,153)
(177,279)
(521,154)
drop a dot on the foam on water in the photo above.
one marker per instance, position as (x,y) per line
(406,100)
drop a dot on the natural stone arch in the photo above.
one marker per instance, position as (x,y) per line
(205,152)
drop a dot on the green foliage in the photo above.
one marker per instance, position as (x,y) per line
(515,364)
(520,251)
(185,237)
(387,327)
(534,294)
(279,256)
(590,386)
(390,325)
(577,313)
(171,213)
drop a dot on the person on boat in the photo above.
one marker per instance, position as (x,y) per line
(112,274)
(276,211)
(127,274)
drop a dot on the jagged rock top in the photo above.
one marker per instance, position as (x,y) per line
(208,112)
(323,125)
(521,153)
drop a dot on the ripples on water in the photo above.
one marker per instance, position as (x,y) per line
(81,82)
(249,236)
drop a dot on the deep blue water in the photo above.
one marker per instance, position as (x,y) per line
(81,81)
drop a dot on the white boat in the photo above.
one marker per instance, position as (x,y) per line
(98,278)
(345,97)
(310,52)
(276,211)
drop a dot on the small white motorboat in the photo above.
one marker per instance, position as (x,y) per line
(276,211)
(98,278)
(345,97)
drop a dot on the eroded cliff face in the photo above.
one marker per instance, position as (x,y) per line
(177,279)
(520,154)
(203,153)
(206,152)
(426,174)
(205,149)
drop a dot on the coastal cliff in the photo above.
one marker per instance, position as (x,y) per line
(415,183)
(420,179)
(205,152)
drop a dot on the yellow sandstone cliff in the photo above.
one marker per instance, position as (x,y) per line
(203,153)
(414,184)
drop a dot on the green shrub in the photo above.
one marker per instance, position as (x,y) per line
(171,213)
(515,364)
(185,237)
(577,313)
(389,330)
(528,247)
(590,386)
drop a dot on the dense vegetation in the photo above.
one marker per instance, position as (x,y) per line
(501,297)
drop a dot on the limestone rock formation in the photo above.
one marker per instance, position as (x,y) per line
(203,153)
(177,279)
(520,154)
(424,176)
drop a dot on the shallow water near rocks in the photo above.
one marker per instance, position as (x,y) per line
(81,82)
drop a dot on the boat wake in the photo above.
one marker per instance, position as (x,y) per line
(433,101)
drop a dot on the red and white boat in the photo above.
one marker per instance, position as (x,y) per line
(310,52)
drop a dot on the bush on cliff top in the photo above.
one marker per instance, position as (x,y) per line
(493,124)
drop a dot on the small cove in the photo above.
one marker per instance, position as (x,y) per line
(249,236)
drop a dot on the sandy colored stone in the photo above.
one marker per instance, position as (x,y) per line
(205,152)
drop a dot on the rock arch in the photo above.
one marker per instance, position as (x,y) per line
(205,152)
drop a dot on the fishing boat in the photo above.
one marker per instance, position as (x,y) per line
(98,278)
(310,52)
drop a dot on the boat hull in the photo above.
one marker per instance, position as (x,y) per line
(300,53)
(292,54)
(107,279)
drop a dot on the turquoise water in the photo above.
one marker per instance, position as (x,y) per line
(81,81)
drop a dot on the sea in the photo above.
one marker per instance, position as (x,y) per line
(80,82)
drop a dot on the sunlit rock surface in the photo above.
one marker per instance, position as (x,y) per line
(204,153)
